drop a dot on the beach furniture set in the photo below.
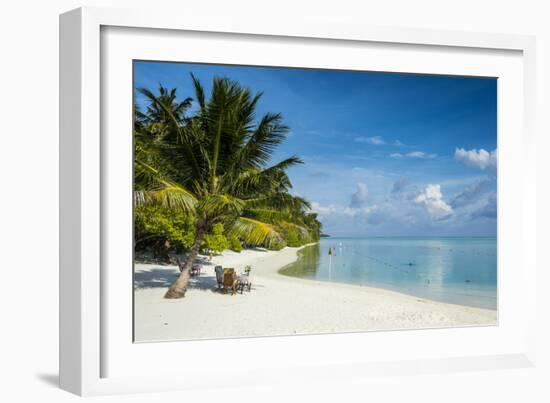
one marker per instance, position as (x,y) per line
(228,280)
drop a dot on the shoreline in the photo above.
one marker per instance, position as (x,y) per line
(280,304)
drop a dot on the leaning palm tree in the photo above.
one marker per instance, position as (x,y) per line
(215,165)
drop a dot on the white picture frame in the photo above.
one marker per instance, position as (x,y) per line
(88,347)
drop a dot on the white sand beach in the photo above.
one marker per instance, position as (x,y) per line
(278,304)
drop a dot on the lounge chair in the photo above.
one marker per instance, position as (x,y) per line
(230,280)
(195,268)
(219,276)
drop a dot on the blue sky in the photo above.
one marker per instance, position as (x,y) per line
(385,154)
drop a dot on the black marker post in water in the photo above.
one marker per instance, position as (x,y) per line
(330,263)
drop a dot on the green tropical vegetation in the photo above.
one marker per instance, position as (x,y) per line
(215,241)
(162,229)
(203,179)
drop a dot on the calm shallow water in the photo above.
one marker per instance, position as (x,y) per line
(454,270)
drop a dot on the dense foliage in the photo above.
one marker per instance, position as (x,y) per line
(235,243)
(163,229)
(208,173)
(215,241)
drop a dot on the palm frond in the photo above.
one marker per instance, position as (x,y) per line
(254,232)
(161,191)
(199,92)
(261,181)
(285,164)
(221,205)
(280,201)
(169,196)
(187,143)
(267,215)
(269,133)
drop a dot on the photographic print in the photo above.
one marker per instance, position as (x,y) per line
(274,201)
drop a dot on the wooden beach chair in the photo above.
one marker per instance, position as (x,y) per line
(230,280)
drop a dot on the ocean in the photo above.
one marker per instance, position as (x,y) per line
(457,270)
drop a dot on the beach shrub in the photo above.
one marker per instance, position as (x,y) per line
(276,245)
(295,235)
(313,225)
(215,241)
(292,239)
(163,229)
(235,244)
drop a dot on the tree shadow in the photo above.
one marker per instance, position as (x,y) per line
(162,278)
(155,278)
(203,283)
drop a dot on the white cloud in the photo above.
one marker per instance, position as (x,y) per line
(420,154)
(481,158)
(379,140)
(360,197)
(322,210)
(432,198)
(375,140)
(338,210)
(354,211)
(414,154)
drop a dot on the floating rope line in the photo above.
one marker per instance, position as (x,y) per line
(424,282)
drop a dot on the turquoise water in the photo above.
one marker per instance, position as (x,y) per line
(454,270)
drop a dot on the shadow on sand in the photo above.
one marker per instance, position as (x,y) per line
(162,278)
(155,278)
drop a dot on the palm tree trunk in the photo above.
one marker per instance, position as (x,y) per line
(179,287)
